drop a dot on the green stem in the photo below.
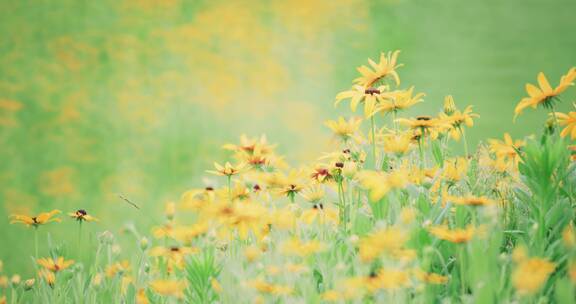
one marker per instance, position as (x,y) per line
(462,269)
(36,241)
(421,149)
(394,114)
(373,130)
(465,142)
(230,187)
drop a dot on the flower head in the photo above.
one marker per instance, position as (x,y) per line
(35,221)
(385,68)
(227,170)
(81,215)
(54,264)
(544,94)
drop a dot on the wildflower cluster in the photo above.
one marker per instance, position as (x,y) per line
(391,215)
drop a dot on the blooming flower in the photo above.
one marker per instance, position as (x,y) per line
(544,94)
(386,67)
(81,215)
(169,288)
(35,221)
(54,264)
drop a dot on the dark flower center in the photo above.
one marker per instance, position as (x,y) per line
(371,91)
(426,118)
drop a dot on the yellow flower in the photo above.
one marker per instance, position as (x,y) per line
(297,247)
(175,255)
(54,264)
(216,285)
(331,296)
(398,144)
(227,170)
(48,277)
(141,297)
(469,200)
(568,236)
(544,94)
(455,169)
(386,67)
(252,145)
(424,125)
(118,268)
(568,120)
(399,100)
(370,97)
(507,148)
(381,241)
(344,129)
(449,105)
(169,288)
(313,194)
(430,277)
(323,215)
(452,235)
(81,215)
(530,274)
(379,183)
(252,253)
(35,221)
(273,289)
(457,120)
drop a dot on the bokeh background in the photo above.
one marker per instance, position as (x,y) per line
(137,97)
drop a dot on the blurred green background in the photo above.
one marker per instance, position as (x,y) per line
(136,97)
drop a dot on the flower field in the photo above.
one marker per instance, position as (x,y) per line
(394,214)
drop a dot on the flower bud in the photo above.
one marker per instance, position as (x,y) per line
(170,210)
(144,243)
(15,280)
(28,284)
(449,105)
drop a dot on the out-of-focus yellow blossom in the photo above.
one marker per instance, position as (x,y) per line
(469,200)
(268,288)
(313,194)
(82,216)
(227,170)
(379,183)
(449,105)
(343,128)
(389,279)
(407,215)
(530,274)
(457,236)
(572,271)
(507,148)
(320,214)
(29,284)
(424,123)
(216,285)
(430,277)
(252,253)
(457,120)
(35,221)
(54,264)
(568,121)
(252,145)
(454,169)
(291,183)
(397,143)
(569,236)
(544,94)
(297,247)
(97,279)
(283,218)
(118,268)
(396,101)
(169,210)
(385,68)
(169,288)
(370,97)
(141,297)
(175,254)
(196,199)
(48,277)
(380,242)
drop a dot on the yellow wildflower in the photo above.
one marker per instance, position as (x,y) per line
(386,67)
(344,129)
(457,236)
(35,221)
(227,170)
(297,247)
(569,121)
(82,216)
(54,264)
(169,288)
(530,274)
(544,94)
